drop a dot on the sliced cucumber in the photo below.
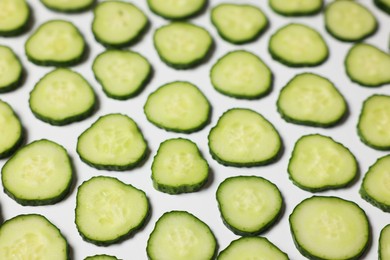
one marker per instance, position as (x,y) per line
(62,97)
(319,163)
(14,17)
(11,70)
(68,6)
(11,131)
(113,142)
(182,45)
(178,167)
(309,99)
(118,24)
(101,257)
(384,5)
(122,74)
(367,65)
(179,107)
(238,23)
(329,228)
(177,9)
(252,248)
(40,173)
(375,185)
(248,204)
(56,43)
(180,235)
(298,45)
(384,244)
(244,138)
(241,74)
(32,236)
(108,210)
(349,21)
(374,122)
(296,7)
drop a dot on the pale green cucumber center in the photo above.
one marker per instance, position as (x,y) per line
(384,243)
(10,127)
(10,67)
(377,181)
(176,8)
(13,14)
(295,6)
(67,4)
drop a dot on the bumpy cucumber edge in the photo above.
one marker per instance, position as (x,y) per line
(200,10)
(381,5)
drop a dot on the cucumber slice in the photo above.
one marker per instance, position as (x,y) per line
(108,210)
(122,74)
(248,204)
(298,45)
(238,23)
(329,228)
(349,21)
(296,7)
(384,5)
(252,248)
(177,9)
(309,99)
(367,65)
(179,107)
(244,138)
(319,163)
(32,236)
(374,122)
(68,6)
(11,131)
(11,70)
(375,188)
(118,24)
(241,74)
(384,244)
(14,17)
(40,173)
(101,257)
(178,167)
(62,97)
(114,142)
(56,43)
(182,45)
(180,235)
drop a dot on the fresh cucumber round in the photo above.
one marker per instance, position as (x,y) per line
(11,136)
(123,74)
(108,210)
(244,138)
(178,107)
(180,235)
(177,9)
(56,43)
(101,257)
(11,70)
(248,204)
(367,65)
(384,244)
(298,45)
(349,21)
(118,24)
(178,167)
(374,122)
(14,17)
(241,74)
(251,248)
(68,6)
(182,45)
(319,163)
(296,7)
(310,99)
(384,5)
(329,228)
(114,142)
(374,188)
(32,236)
(62,97)
(238,23)
(40,173)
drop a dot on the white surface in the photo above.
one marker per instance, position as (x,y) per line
(202,203)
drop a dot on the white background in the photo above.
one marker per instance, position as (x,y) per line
(202,203)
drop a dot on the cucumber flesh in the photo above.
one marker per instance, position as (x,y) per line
(11,133)
(101,257)
(329,228)
(384,243)
(14,17)
(176,9)
(296,7)
(11,70)
(68,6)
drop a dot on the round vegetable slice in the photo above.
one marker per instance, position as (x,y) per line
(62,97)
(14,17)
(177,9)
(296,7)
(329,228)
(384,243)
(11,70)
(11,132)
(68,6)
(101,257)
(238,23)
(241,74)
